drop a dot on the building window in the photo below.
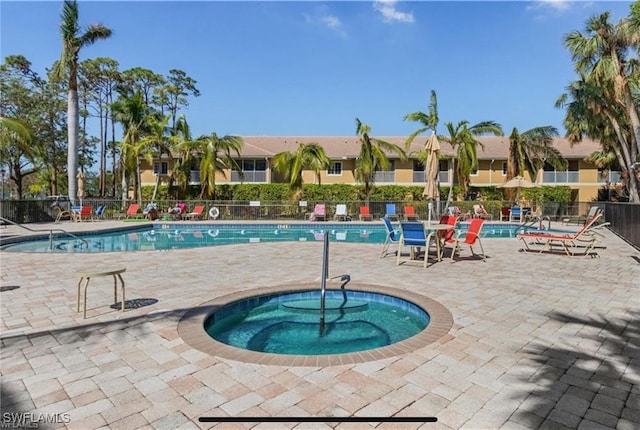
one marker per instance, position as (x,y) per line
(386,175)
(571,174)
(443,174)
(252,171)
(504,168)
(335,169)
(610,176)
(162,167)
(418,171)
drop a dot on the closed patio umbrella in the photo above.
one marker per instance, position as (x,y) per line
(80,193)
(431,171)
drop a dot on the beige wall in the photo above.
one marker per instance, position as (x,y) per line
(489,174)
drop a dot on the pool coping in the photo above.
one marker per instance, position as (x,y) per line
(191,329)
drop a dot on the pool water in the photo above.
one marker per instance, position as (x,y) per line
(290,323)
(159,237)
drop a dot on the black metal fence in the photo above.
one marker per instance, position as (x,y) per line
(625,221)
(624,218)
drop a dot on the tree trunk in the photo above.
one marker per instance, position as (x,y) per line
(73,123)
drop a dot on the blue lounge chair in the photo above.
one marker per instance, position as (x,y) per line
(391,212)
(393,236)
(414,236)
(515,214)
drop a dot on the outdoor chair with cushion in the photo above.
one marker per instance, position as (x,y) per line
(515,214)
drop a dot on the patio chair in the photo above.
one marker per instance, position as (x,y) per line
(391,212)
(60,214)
(85,213)
(414,236)
(365,215)
(505,214)
(470,237)
(195,214)
(393,236)
(341,213)
(568,242)
(515,214)
(99,212)
(447,237)
(319,213)
(480,212)
(593,211)
(132,211)
(410,213)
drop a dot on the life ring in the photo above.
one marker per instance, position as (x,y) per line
(213,233)
(214,213)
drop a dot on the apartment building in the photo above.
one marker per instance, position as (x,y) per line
(584,178)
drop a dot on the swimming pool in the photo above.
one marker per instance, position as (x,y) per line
(160,237)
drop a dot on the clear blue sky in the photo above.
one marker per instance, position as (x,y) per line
(311,67)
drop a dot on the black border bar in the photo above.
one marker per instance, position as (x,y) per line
(318,419)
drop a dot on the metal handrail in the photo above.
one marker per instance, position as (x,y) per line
(323,282)
(50,230)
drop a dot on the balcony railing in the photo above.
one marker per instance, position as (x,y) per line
(259,176)
(560,177)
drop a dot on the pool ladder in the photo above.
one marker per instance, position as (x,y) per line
(323,283)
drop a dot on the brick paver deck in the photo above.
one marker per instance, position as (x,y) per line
(538,341)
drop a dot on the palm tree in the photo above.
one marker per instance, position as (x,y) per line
(291,163)
(429,121)
(216,155)
(72,42)
(601,103)
(373,157)
(159,141)
(462,139)
(131,112)
(530,150)
(18,128)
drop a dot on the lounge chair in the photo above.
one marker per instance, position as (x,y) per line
(60,214)
(99,213)
(470,237)
(480,212)
(195,214)
(391,212)
(568,242)
(505,214)
(365,215)
(319,213)
(85,213)
(515,214)
(393,236)
(341,213)
(593,211)
(410,213)
(132,211)
(414,236)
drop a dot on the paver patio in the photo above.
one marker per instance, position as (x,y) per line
(538,341)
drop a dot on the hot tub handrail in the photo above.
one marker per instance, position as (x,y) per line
(50,230)
(323,281)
